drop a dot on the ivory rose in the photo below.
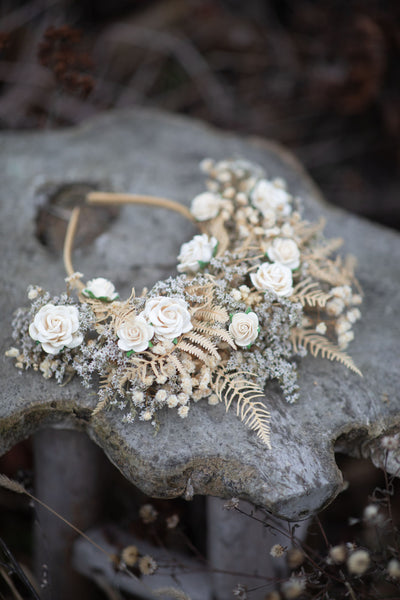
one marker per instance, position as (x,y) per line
(274,277)
(170,317)
(284,251)
(199,250)
(266,196)
(244,328)
(101,289)
(205,206)
(135,333)
(56,327)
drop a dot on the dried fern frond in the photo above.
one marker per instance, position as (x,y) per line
(100,406)
(193,350)
(216,314)
(229,388)
(218,332)
(318,344)
(205,290)
(305,231)
(174,360)
(334,272)
(202,341)
(308,293)
(321,252)
(217,229)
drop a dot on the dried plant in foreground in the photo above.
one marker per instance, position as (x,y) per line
(256,286)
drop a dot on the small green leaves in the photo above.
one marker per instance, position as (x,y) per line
(230,317)
(87,292)
(37,342)
(249,346)
(258,329)
(129,353)
(175,341)
(202,264)
(215,249)
(248,310)
(151,345)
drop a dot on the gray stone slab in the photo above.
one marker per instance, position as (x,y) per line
(210,452)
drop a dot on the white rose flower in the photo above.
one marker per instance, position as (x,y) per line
(196,253)
(135,333)
(100,288)
(169,316)
(56,327)
(284,251)
(275,277)
(244,328)
(205,206)
(268,197)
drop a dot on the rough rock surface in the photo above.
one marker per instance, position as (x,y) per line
(210,452)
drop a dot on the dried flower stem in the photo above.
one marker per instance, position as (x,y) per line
(69,240)
(101,198)
(16,487)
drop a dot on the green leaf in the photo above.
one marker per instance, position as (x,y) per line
(258,329)
(87,292)
(202,264)
(175,341)
(151,345)
(215,249)
(37,342)
(249,346)
(230,317)
(129,353)
(248,310)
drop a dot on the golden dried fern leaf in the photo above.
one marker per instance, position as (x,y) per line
(193,350)
(174,360)
(204,342)
(205,291)
(324,250)
(216,314)
(318,344)
(218,332)
(308,293)
(305,231)
(100,406)
(217,229)
(230,388)
(330,272)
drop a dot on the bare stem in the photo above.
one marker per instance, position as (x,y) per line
(101,198)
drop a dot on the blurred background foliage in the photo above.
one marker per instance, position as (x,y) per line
(320,77)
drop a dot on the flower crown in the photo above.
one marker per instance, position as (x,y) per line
(256,287)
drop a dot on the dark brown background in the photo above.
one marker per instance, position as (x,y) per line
(320,77)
